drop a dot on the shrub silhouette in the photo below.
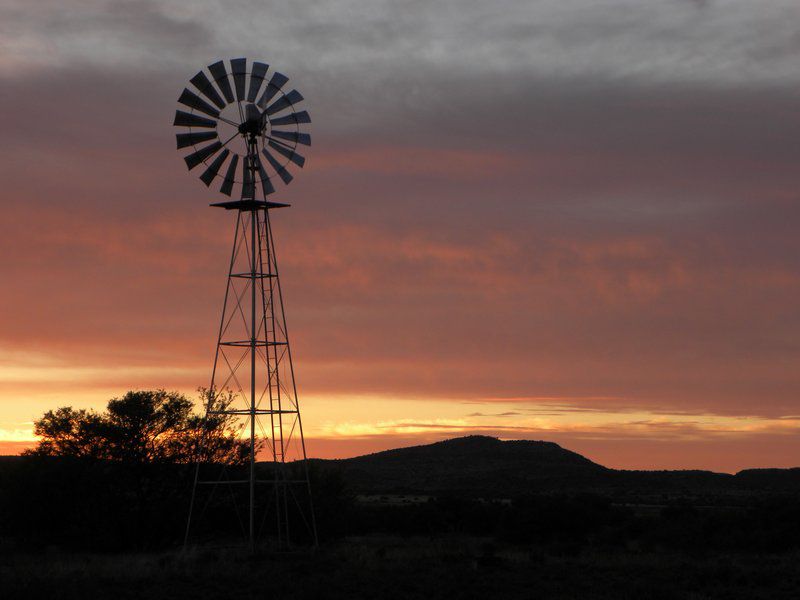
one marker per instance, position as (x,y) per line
(143,427)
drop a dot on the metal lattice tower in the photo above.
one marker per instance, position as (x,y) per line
(252,379)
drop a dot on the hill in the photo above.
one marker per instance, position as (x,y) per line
(472,464)
(489,467)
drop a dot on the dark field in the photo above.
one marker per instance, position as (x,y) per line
(470,518)
(449,567)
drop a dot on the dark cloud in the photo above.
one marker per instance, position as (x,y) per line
(123,35)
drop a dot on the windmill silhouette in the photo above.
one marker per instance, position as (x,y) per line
(244,129)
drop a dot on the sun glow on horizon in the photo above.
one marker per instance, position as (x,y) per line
(346,425)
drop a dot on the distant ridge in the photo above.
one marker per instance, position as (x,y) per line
(488,467)
(470,464)
(475,465)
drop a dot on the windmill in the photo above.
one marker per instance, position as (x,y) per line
(242,129)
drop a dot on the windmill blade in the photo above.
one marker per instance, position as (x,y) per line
(273,87)
(288,153)
(251,113)
(239,68)
(292,119)
(184,119)
(211,172)
(286,101)
(248,185)
(195,158)
(285,176)
(257,74)
(300,138)
(221,77)
(266,184)
(192,139)
(230,176)
(194,101)
(202,83)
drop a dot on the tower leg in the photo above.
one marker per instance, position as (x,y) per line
(253,285)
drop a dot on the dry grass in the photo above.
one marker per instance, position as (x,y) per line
(390,567)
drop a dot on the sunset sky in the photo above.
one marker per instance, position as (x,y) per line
(571,221)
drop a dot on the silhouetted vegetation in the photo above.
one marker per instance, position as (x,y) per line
(590,522)
(143,427)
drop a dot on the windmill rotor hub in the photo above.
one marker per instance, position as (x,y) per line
(251,127)
(254,122)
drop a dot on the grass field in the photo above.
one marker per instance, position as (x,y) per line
(401,568)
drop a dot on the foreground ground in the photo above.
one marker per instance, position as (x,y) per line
(402,568)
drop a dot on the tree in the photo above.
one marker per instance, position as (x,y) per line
(143,427)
